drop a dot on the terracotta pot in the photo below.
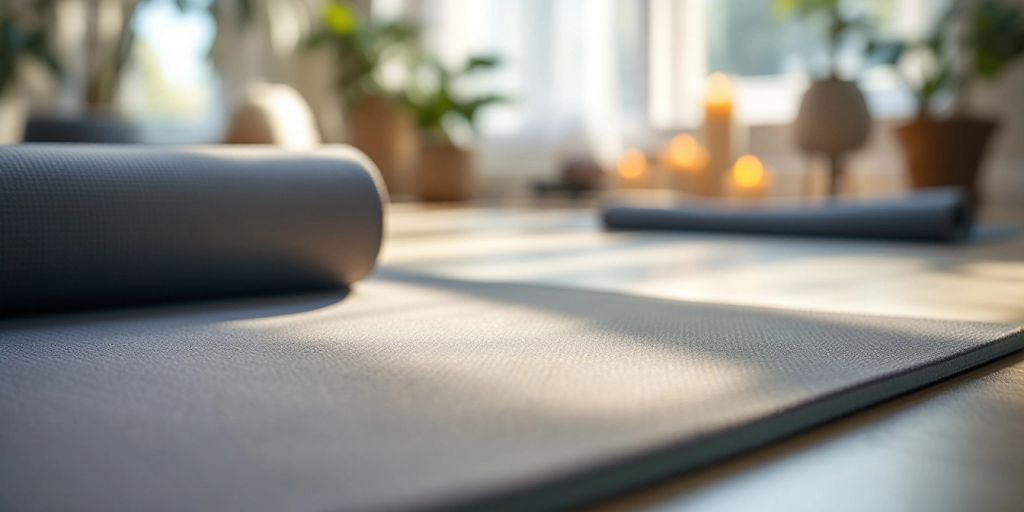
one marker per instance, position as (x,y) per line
(833,120)
(943,153)
(445,173)
(388,136)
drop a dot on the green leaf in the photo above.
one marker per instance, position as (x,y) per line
(782,9)
(987,64)
(469,109)
(885,52)
(317,39)
(480,63)
(340,18)
(996,37)
(395,32)
(435,102)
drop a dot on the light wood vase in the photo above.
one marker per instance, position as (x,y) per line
(445,173)
(388,136)
(833,121)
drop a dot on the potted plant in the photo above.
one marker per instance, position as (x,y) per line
(976,41)
(377,125)
(442,111)
(833,119)
(23,39)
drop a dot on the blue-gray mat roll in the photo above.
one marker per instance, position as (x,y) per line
(933,215)
(85,226)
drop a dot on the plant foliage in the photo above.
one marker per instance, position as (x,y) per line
(23,36)
(840,23)
(971,41)
(437,103)
(362,49)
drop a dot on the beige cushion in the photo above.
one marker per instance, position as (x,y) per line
(273,114)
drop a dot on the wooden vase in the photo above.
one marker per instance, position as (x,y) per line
(833,121)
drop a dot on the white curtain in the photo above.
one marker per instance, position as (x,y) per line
(573,68)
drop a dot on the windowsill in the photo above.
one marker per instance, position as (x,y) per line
(775,100)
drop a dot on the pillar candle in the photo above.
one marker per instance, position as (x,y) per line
(748,179)
(687,162)
(631,169)
(718,113)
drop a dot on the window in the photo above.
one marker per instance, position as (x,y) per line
(600,75)
(769,59)
(743,39)
(170,86)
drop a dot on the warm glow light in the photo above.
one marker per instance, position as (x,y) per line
(748,172)
(719,91)
(632,164)
(684,154)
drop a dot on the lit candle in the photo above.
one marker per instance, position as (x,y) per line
(687,161)
(632,169)
(718,112)
(748,178)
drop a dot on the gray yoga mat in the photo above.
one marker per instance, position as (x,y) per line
(931,215)
(414,393)
(100,225)
(403,392)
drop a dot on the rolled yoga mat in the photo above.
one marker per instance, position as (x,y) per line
(935,215)
(85,226)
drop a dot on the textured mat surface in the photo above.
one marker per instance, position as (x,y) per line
(415,392)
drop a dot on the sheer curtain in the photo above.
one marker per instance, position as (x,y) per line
(575,70)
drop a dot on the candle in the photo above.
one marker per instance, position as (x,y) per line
(632,169)
(718,111)
(687,160)
(748,178)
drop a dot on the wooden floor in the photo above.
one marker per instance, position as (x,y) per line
(955,446)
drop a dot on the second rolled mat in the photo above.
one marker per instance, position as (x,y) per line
(934,215)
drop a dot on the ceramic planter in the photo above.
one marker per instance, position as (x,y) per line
(445,173)
(833,121)
(388,136)
(948,152)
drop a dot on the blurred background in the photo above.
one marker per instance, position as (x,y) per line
(478,99)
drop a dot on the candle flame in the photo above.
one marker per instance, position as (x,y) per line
(685,154)
(748,172)
(632,164)
(719,90)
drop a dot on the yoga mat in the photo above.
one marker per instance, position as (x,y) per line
(85,226)
(931,215)
(422,393)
